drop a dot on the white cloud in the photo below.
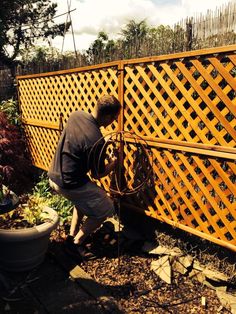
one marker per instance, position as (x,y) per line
(93,16)
(201,6)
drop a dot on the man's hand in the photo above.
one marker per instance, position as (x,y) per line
(112,162)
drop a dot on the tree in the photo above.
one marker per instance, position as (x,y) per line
(39,59)
(101,49)
(134,34)
(22,22)
(164,40)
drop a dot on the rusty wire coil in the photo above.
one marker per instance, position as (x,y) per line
(130,175)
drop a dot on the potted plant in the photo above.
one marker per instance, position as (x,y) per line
(25,222)
(25,233)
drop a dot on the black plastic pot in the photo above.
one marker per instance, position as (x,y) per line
(6,205)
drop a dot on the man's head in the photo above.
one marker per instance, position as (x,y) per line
(107,110)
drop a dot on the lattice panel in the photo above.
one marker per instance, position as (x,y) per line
(193,191)
(187,103)
(183,105)
(41,143)
(45,98)
(47,101)
(191,100)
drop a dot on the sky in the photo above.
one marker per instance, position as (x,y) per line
(89,17)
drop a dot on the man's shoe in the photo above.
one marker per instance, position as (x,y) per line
(79,252)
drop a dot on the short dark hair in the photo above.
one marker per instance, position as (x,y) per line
(108,104)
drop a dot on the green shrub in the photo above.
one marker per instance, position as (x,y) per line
(11,109)
(63,206)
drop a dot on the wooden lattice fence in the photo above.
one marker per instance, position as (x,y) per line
(182,105)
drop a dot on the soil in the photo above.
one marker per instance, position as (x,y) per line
(125,271)
(138,290)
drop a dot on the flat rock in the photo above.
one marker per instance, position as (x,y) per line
(186,260)
(197,275)
(162,250)
(209,273)
(213,286)
(162,268)
(182,264)
(215,275)
(228,300)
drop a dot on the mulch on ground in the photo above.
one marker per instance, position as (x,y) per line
(124,270)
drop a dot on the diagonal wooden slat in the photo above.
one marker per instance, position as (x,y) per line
(214,86)
(211,107)
(207,101)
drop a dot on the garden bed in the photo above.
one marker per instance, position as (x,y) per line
(127,276)
(138,290)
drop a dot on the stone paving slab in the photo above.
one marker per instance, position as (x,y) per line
(98,292)
(47,289)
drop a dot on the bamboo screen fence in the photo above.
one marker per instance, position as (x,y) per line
(183,106)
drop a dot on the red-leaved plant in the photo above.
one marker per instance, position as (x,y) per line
(15,167)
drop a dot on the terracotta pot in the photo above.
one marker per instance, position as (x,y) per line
(24,249)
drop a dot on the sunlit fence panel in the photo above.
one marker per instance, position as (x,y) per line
(46,101)
(183,106)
